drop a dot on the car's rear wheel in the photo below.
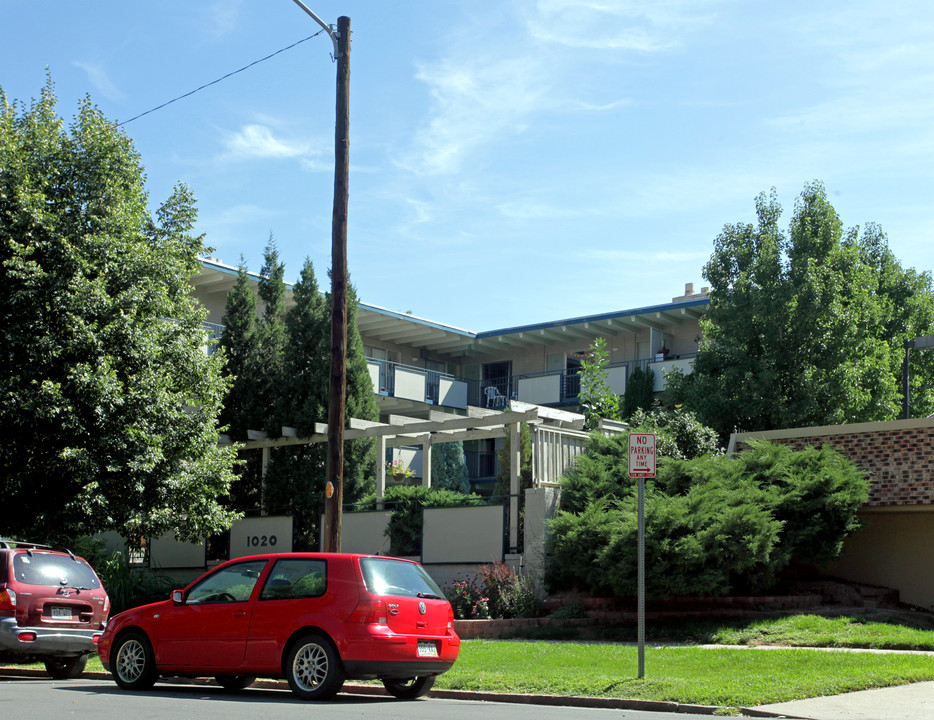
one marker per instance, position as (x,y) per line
(66,668)
(410,688)
(313,668)
(234,682)
(133,663)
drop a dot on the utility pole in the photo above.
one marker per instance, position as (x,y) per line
(337,389)
(337,393)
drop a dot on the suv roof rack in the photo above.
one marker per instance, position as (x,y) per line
(7,543)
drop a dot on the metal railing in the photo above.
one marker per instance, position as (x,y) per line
(387,379)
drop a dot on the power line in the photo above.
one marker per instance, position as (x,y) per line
(214,82)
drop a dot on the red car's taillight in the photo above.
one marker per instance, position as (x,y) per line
(450,618)
(369,611)
(7,602)
(106,605)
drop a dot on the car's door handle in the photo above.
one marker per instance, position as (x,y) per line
(240,613)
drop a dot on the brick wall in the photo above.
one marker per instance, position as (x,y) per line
(898,455)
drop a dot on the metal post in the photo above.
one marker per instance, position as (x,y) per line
(905,390)
(641,578)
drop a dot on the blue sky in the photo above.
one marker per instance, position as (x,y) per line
(512,161)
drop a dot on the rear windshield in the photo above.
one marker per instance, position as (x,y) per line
(54,571)
(385,576)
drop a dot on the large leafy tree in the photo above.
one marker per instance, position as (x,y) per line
(807,327)
(108,402)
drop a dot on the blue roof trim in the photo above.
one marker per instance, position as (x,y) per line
(595,318)
(494,333)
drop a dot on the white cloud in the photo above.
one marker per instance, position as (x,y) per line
(259,141)
(473,104)
(615,24)
(100,79)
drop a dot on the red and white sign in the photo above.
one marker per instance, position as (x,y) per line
(642,455)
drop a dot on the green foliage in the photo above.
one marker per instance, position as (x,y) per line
(678,433)
(496,591)
(449,467)
(714,524)
(806,328)
(240,346)
(597,400)
(104,383)
(271,339)
(640,391)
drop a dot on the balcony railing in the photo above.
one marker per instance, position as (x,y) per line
(408,382)
(563,387)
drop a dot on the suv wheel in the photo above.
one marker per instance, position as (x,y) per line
(133,663)
(411,688)
(313,668)
(66,668)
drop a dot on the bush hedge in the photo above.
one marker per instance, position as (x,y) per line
(713,525)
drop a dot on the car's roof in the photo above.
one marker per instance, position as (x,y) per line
(315,555)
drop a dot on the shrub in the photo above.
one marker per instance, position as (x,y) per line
(495,591)
(713,524)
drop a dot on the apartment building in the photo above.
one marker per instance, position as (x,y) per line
(419,365)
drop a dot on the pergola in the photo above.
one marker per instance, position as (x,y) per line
(441,427)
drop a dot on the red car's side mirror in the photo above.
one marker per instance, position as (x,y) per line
(177,596)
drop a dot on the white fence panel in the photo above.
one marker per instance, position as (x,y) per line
(463,534)
(365,532)
(553,453)
(169,552)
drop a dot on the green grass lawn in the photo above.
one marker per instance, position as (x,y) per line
(721,676)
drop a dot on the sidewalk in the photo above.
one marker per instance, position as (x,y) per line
(903,702)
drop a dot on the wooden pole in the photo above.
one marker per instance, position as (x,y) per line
(337,391)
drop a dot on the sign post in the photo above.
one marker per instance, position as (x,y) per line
(641,466)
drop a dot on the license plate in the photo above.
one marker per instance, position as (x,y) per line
(61,613)
(426,648)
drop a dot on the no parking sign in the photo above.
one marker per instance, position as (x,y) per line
(642,455)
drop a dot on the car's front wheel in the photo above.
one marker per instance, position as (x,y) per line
(411,688)
(234,682)
(313,668)
(133,663)
(66,668)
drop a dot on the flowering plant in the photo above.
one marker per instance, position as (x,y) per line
(481,609)
(398,469)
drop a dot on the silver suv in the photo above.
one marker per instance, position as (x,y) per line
(52,608)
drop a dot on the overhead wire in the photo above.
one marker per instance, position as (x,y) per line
(214,82)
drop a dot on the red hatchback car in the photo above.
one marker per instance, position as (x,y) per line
(314,618)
